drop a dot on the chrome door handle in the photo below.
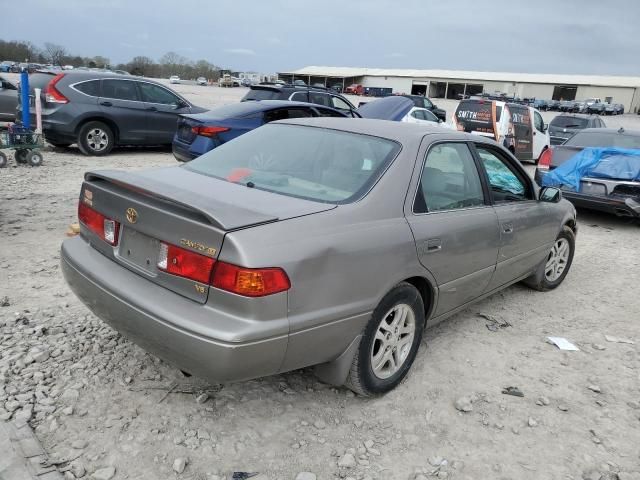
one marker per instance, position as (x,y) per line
(507,227)
(434,245)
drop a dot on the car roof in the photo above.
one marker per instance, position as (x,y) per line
(402,132)
(576,115)
(235,110)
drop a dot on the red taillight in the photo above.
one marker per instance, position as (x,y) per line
(105,228)
(545,159)
(184,263)
(52,94)
(205,131)
(250,282)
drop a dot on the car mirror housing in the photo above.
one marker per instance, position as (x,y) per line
(550,195)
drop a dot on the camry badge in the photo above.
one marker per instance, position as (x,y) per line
(132,215)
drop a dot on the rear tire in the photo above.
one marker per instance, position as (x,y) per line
(35,158)
(3,160)
(96,139)
(390,342)
(554,268)
(21,155)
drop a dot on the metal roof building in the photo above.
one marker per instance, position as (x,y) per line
(453,83)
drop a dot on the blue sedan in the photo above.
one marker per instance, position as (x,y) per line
(199,133)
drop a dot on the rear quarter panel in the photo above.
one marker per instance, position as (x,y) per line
(340,263)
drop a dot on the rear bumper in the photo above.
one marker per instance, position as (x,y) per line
(617,205)
(155,319)
(185,152)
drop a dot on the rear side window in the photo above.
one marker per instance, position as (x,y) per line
(285,113)
(262,94)
(449,180)
(419,114)
(569,122)
(120,90)
(155,94)
(327,112)
(340,104)
(320,99)
(91,88)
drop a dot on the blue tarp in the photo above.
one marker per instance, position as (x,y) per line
(610,162)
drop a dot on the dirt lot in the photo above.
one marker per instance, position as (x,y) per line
(96,401)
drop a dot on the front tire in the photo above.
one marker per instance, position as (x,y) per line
(390,342)
(554,268)
(96,139)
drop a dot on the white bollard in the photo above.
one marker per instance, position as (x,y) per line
(38,105)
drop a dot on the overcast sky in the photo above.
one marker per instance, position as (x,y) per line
(543,36)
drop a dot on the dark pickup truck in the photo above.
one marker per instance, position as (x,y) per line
(618,196)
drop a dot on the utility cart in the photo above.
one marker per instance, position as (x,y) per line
(26,145)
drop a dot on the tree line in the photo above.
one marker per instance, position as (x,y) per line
(169,64)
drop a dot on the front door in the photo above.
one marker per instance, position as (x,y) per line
(540,135)
(455,228)
(120,102)
(525,223)
(162,107)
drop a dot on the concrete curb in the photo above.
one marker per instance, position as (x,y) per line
(22,455)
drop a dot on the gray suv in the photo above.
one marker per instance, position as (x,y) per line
(101,110)
(564,126)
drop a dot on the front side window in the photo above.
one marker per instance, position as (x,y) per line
(504,183)
(155,94)
(539,123)
(120,90)
(419,114)
(299,97)
(427,103)
(449,180)
(313,163)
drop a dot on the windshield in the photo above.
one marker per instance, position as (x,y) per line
(261,94)
(306,162)
(569,122)
(604,139)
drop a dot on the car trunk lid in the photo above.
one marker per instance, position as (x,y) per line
(178,207)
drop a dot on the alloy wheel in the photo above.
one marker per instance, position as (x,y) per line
(557,260)
(393,341)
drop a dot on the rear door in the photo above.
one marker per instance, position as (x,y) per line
(162,107)
(521,129)
(526,227)
(120,101)
(455,228)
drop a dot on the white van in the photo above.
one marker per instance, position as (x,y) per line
(519,128)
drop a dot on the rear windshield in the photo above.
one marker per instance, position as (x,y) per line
(569,122)
(306,162)
(604,139)
(262,94)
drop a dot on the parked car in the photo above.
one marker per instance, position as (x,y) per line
(199,133)
(424,102)
(399,109)
(519,128)
(329,241)
(597,108)
(294,93)
(539,104)
(201,81)
(566,106)
(299,83)
(8,100)
(563,126)
(580,107)
(100,110)
(614,109)
(553,105)
(174,79)
(354,89)
(609,193)
(245,82)
(5,67)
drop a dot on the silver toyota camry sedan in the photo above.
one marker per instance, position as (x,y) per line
(328,242)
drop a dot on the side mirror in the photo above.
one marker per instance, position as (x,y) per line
(550,195)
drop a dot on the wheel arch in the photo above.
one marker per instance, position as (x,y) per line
(427,292)
(97,118)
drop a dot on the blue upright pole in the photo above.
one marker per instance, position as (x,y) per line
(24,94)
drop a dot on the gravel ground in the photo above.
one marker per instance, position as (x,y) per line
(103,408)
